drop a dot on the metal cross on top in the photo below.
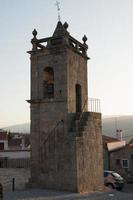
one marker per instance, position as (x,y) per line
(58,9)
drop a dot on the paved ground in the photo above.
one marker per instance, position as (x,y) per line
(21,177)
(36,194)
(7,174)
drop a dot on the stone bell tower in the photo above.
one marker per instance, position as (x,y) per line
(66,139)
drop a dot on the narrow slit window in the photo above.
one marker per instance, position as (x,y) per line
(125,163)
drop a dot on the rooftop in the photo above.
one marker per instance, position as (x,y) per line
(60,37)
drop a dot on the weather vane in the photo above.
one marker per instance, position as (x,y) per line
(58,9)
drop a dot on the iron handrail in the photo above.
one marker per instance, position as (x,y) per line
(93,107)
(49,134)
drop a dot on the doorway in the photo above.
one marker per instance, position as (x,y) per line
(78,98)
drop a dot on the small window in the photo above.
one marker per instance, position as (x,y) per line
(125,163)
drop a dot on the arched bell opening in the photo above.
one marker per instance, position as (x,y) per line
(48,82)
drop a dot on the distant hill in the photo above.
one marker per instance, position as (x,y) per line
(124,123)
(110,124)
(19,128)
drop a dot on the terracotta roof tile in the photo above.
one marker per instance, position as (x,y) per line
(107,139)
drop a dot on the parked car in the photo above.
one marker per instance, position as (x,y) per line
(113,180)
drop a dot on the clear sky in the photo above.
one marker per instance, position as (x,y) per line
(108,25)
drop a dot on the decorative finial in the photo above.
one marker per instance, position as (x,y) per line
(58,9)
(84,39)
(65,25)
(34,33)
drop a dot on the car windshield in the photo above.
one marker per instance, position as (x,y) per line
(116,175)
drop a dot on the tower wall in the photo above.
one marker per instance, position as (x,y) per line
(47,112)
(77,74)
(64,156)
(89,154)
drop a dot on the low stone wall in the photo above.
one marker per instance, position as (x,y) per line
(21,178)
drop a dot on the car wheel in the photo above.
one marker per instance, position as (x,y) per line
(110,185)
(119,188)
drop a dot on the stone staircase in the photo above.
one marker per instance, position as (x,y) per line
(80,123)
(48,145)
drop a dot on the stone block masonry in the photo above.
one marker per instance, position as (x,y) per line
(66,139)
(21,178)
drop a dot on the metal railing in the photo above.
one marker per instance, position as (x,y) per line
(94,105)
(90,105)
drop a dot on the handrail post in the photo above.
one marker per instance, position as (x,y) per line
(1,192)
(13,184)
